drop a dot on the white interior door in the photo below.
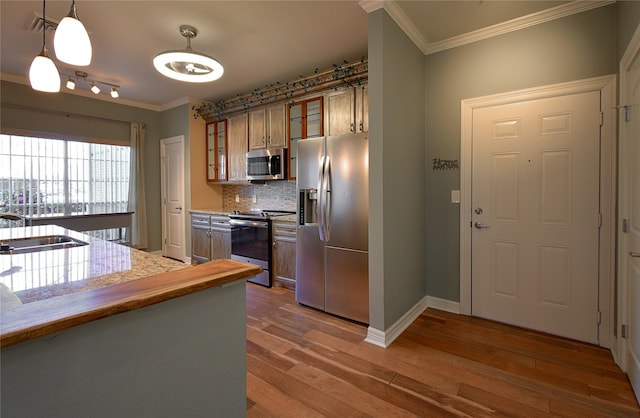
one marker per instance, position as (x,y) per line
(173,219)
(535,202)
(629,294)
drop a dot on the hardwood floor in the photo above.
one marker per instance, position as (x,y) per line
(303,363)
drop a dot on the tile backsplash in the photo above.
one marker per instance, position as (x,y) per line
(270,195)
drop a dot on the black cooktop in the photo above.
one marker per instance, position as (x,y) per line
(260,214)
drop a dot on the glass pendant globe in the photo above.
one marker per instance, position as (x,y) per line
(43,74)
(71,42)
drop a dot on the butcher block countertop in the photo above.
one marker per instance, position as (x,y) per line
(55,294)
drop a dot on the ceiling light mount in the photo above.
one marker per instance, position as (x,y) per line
(187,64)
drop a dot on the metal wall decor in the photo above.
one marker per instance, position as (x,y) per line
(440,164)
(340,76)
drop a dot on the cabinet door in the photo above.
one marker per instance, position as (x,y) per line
(221,150)
(211,151)
(305,121)
(362,108)
(238,145)
(284,254)
(276,131)
(340,112)
(200,240)
(220,243)
(257,129)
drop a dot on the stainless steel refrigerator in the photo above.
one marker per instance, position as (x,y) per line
(332,272)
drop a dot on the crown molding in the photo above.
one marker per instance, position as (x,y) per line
(405,23)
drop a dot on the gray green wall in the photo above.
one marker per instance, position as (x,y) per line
(81,117)
(628,17)
(396,172)
(572,48)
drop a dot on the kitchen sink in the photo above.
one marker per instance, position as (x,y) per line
(34,244)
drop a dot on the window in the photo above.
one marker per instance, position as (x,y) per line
(42,176)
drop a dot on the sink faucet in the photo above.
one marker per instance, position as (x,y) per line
(11,216)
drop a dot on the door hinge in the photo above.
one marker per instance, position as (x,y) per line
(601,118)
(599,317)
(627,113)
(599,220)
(625,225)
(624,332)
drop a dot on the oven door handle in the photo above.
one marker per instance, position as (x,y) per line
(245,222)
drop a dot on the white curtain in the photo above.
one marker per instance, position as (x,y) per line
(137,200)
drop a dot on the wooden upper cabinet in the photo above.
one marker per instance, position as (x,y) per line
(238,147)
(348,111)
(362,108)
(267,127)
(276,126)
(217,154)
(257,129)
(305,120)
(341,112)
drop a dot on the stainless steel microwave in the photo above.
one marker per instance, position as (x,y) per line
(267,164)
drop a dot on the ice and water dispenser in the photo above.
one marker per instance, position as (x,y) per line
(307,213)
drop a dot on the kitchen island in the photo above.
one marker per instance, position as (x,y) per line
(139,336)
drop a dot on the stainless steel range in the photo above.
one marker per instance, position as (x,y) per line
(251,240)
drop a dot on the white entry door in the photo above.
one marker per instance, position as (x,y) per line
(173,219)
(629,259)
(535,203)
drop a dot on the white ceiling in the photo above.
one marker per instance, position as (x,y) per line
(257,42)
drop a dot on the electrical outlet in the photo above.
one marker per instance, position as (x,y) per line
(255,199)
(237,198)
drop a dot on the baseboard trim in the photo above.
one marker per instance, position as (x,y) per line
(443,304)
(385,338)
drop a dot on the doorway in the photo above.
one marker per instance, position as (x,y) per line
(172,195)
(537,208)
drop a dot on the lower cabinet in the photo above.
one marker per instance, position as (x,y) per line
(284,254)
(210,237)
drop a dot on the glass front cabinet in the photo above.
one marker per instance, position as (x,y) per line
(305,121)
(217,157)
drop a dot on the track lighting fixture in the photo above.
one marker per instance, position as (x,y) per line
(91,83)
(71,40)
(187,64)
(43,74)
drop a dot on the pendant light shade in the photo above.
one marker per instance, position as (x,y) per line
(43,74)
(71,40)
(187,64)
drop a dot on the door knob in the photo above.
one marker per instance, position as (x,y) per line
(480,225)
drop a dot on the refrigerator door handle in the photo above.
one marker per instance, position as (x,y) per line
(327,199)
(320,206)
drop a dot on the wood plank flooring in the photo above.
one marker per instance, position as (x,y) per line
(304,363)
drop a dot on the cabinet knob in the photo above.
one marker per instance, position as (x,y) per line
(275,244)
(351,127)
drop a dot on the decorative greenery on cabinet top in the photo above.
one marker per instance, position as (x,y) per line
(340,76)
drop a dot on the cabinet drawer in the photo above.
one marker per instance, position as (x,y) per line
(284,229)
(200,219)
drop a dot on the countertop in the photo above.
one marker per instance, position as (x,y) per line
(67,287)
(46,274)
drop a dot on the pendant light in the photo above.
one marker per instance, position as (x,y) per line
(187,64)
(71,41)
(43,74)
